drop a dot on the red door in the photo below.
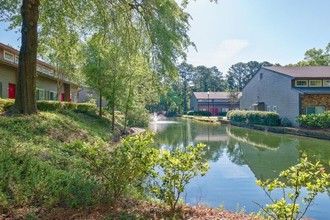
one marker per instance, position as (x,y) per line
(11,91)
(62,96)
(216,111)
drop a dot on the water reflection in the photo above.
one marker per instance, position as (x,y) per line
(238,157)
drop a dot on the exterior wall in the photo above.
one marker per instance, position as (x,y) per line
(274,90)
(86,94)
(315,100)
(45,79)
(46,84)
(7,75)
(193,103)
(214,106)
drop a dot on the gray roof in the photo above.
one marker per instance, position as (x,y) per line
(313,90)
(302,71)
(213,95)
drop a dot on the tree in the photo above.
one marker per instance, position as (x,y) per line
(95,67)
(316,57)
(164,23)
(25,102)
(241,73)
(207,79)
(185,71)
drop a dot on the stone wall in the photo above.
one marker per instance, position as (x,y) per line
(315,100)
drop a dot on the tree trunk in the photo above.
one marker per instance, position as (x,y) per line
(100,107)
(25,102)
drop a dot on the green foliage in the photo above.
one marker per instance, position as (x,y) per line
(316,57)
(29,180)
(5,104)
(285,122)
(306,175)
(121,169)
(45,105)
(199,113)
(223,114)
(254,117)
(139,117)
(240,73)
(177,169)
(314,120)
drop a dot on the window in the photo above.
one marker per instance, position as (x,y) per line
(326,83)
(274,108)
(315,83)
(40,94)
(261,75)
(52,95)
(269,108)
(8,56)
(301,83)
(315,110)
(16,59)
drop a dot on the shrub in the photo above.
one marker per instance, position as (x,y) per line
(223,114)
(45,105)
(314,121)
(285,122)
(138,118)
(254,117)
(190,113)
(5,104)
(122,169)
(48,105)
(178,168)
(304,175)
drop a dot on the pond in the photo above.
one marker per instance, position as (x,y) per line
(237,158)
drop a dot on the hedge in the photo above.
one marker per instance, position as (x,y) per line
(5,104)
(199,113)
(314,120)
(254,117)
(44,105)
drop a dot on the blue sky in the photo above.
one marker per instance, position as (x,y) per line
(278,31)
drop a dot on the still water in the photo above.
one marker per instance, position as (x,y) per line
(237,158)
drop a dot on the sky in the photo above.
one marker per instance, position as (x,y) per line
(232,31)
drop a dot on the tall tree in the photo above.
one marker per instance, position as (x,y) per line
(316,57)
(164,22)
(185,71)
(241,73)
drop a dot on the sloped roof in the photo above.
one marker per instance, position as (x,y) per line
(302,71)
(313,90)
(214,95)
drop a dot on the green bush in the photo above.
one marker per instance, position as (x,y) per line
(304,176)
(123,169)
(5,104)
(223,113)
(86,106)
(314,120)
(138,118)
(45,105)
(177,168)
(254,117)
(190,113)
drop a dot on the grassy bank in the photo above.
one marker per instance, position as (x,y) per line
(202,118)
(64,165)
